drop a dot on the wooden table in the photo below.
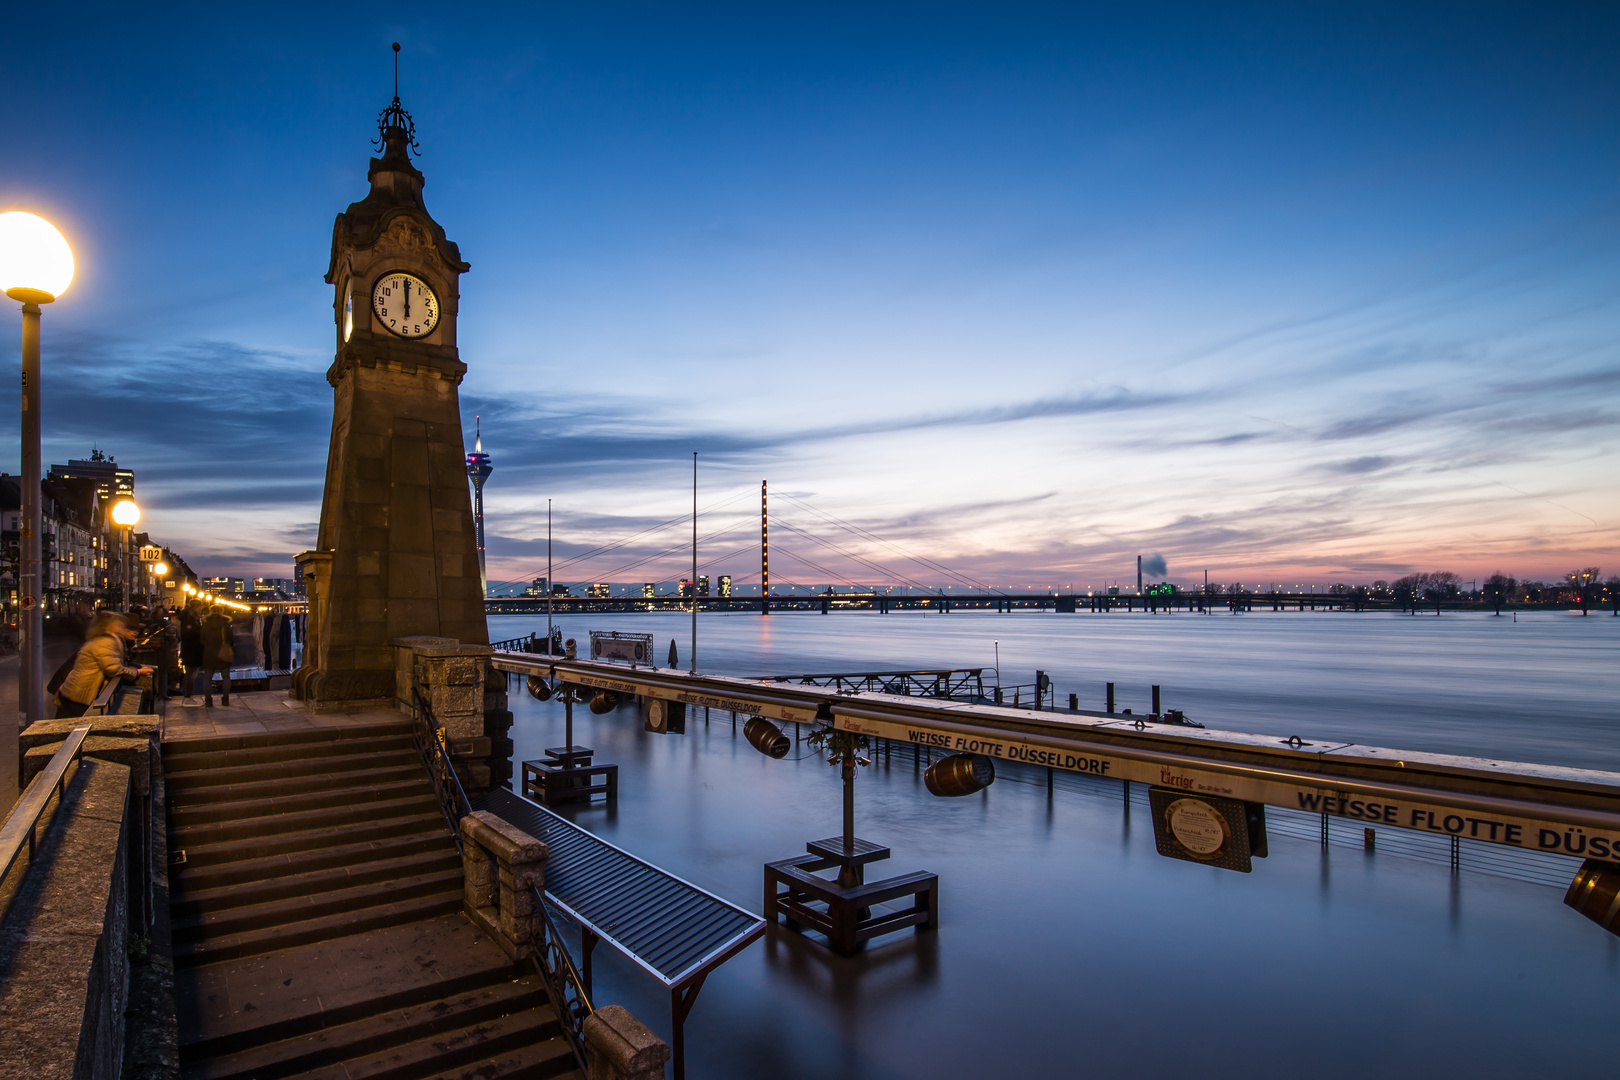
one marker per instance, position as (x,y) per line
(842,909)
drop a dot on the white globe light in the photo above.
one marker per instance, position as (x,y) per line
(34,258)
(160,568)
(125,512)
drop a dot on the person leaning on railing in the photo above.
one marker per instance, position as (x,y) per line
(101,658)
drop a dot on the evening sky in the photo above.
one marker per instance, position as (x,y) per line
(1291,293)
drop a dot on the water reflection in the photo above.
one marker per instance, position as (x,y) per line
(1067,944)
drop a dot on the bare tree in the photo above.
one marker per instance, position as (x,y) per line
(1499,588)
(1584,582)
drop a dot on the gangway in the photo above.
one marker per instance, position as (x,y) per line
(670,928)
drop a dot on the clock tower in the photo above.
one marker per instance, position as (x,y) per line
(396,555)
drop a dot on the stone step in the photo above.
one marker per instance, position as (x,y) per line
(176,764)
(284,911)
(313,774)
(534,1035)
(417,801)
(190,903)
(444,1020)
(180,747)
(274,796)
(191,879)
(542,1062)
(222,1008)
(431,821)
(267,939)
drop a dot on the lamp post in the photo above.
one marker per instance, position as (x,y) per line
(36,266)
(125,513)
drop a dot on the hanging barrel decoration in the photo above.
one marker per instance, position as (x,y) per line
(767,738)
(604,701)
(960,774)
(1595,893)
(539,688)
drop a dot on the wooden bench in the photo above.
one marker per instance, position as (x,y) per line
(790,889)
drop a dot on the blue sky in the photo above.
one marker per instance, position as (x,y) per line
(1288,293)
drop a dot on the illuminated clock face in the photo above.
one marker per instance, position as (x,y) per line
(405,305)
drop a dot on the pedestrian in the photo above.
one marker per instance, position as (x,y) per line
(101,658)
(191,650)
(218,651)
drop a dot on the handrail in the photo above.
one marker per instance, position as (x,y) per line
(551,960)
(563,982)
(20,823)
(435,756)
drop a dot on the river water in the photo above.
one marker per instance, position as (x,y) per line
(1068,946)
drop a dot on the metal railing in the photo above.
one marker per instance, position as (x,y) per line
(954,683)
(552,961)
(19,826)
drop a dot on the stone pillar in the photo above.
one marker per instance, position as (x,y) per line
(503,866)
(317,569)
(468,700)
(620,1047)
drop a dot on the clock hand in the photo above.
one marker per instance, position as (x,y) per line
(407,299)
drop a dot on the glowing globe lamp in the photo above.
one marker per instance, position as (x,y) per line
(36,264)
(125,512)
(160,568)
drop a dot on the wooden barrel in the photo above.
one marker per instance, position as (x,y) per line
(604,701)
(960,774)
(539,688)
(1595,893)
(767,738)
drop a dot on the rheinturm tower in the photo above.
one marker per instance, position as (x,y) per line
(478,469)
(396,555)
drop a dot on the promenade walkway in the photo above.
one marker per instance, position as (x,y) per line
(316,915)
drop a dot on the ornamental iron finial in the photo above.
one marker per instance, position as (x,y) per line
(396,119)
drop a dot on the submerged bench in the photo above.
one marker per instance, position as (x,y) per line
(790,889)
(670,928)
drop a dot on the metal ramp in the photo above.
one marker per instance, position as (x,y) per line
(671,929)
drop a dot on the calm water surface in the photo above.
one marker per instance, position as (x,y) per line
(1068,946)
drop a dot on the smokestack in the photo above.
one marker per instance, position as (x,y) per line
(1139,575)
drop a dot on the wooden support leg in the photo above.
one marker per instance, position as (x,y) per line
(680,1004)
(587,945)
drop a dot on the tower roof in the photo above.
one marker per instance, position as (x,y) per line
(396,188)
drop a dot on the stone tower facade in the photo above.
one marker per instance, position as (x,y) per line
(396,555)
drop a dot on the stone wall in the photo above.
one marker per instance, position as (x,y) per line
(64,938)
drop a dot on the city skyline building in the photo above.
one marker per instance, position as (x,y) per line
(112,481)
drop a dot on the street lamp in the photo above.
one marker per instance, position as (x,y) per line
(125,513)
(36,266)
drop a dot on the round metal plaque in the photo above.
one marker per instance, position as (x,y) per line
(1200,829)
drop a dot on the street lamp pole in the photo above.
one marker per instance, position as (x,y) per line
(36,266)
(126,514)
(31,618)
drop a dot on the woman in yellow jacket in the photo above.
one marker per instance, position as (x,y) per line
(100,659)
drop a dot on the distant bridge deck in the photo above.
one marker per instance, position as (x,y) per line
(1000,602)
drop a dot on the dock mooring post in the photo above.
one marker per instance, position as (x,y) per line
(1110,697)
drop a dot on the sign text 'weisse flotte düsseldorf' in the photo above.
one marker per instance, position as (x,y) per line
(1536,834)
(1539,835)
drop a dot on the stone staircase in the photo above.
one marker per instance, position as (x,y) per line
(317,924)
